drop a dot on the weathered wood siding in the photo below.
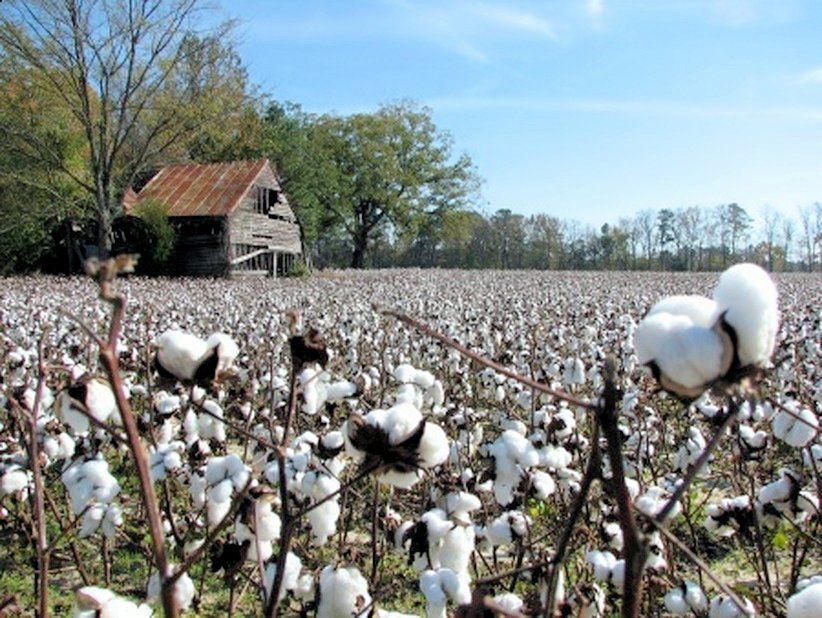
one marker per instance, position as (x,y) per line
(201,248)
(278,230)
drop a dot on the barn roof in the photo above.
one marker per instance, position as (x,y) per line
(202,190)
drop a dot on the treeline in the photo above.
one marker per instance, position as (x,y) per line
(96,96)
(685,239)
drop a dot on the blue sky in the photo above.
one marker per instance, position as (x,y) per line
(584,109)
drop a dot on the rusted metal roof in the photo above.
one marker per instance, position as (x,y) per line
(209,190)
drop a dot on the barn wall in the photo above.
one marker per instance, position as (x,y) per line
(201,248)
(277,231)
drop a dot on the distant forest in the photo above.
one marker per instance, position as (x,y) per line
(85,116)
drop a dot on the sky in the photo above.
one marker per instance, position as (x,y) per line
(582,109)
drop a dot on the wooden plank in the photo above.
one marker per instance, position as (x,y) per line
(248,256)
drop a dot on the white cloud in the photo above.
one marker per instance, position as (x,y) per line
(813,76)
(594,8)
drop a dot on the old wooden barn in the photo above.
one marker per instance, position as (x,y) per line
(230,218)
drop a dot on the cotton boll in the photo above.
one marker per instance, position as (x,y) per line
(747,296)
(343,592)
(603,563)
(805,603)
(183,589)
(689,357)
(94,602)
(179,353)
(456,549)
(699,310)
(509,601)
(724,607)
(794,426)
(433,448)
(13,480)
(543,484)
(291,576)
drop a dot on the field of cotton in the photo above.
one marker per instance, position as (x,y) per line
(355,463)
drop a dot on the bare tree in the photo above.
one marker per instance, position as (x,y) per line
(106,61)
(770,226)
(787,239)
(646,224)
(688,224)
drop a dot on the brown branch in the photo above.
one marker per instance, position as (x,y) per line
(42,579)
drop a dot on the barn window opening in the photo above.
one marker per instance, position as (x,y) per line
(266,198)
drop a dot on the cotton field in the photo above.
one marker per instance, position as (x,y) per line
(413,443)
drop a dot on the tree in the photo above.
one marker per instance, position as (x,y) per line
(389,169)
(665,223)
(645,223)
(688,224)
(770,225)
(106,62)
(739,224)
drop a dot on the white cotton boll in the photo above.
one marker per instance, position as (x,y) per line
(603,563)
(404,373)
(509,601)
(424,379)
(724,607)
(384,613)
(555,457)
(180,353)
(700,310)
(753,440)
(675,602)
(543,484)
(221,492)
(613,533)
(433,448)
(226,349)
(805,603)
(13,481)
(340,390)
(435,599)
(94,602)
(291,576)
(457,547)
(690,356)
(797,429)
(305,588)
(183,589)
(197,490)
(436,393)
(216,511)
(459,504)
(748,297)
(343,592)
(112,519)
(91,520)
(267,522)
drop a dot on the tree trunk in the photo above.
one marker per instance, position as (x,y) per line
(358,257)
(103,236)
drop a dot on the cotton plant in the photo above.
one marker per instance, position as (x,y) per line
(785,498)
(725,607)
(215,485)
(92,489)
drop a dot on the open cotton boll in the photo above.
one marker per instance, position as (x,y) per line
(724,607)
(806,603)
(509,601)
(456,549)
(796,426)
(686,598)
(226,350)
(343,592)
(689,357)
(513,455)
(322,519)
(441,586)
(93,394)
(460,504)
(699,310)
(13,480)
(183,589)
(291,577)
(748,298)
(603,563)
(94,602)
(179,353)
